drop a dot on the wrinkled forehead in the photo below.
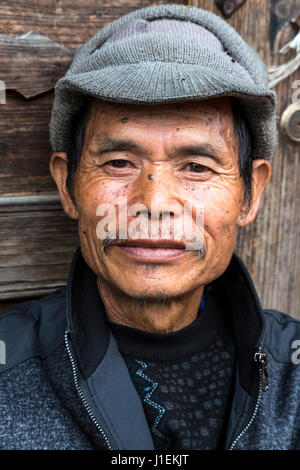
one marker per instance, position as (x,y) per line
(220,106)
(177,123)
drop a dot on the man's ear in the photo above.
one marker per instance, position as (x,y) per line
(261,174)
(59,170)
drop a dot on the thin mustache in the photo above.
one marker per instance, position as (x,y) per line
(110,242)
(107,243)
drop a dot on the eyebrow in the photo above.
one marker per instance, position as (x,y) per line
(103,145)
(111,144)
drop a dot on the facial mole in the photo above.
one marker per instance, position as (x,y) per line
(177,128)
(124,119)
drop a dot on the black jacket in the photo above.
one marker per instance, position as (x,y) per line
(65,384)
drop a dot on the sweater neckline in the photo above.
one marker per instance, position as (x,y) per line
(194,338)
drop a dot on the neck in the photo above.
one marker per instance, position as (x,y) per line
(153,315)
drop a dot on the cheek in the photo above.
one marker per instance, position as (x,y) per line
(92,192)
(221,210)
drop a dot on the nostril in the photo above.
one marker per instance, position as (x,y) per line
(167,213)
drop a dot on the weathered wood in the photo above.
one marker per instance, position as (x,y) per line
(36,247)
(32,63)
(8,202)
(24,145)
(24,292)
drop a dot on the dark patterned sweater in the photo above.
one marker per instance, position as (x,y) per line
(184,379)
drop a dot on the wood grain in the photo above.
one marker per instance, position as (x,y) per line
(36,247)
(32,63)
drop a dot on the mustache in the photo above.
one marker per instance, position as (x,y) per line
(109,242)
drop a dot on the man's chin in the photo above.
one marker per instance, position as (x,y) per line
(155,293)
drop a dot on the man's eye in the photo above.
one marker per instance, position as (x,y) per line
(195,167)
(119,163)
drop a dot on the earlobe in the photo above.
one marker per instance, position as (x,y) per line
(261,173)
(58,167)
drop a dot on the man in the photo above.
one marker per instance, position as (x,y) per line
(163,121)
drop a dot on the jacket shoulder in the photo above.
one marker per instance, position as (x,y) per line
(282,334)
(281,317)
(32,328)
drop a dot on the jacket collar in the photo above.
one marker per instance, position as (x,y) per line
(242,304)
(90,332)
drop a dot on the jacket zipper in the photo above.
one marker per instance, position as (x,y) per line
(261,358)
(81,393)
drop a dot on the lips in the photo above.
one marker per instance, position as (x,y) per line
(152,250)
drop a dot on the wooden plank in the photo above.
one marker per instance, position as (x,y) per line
(32,63)
(26,291)
(38,274)
(31,200)
(36,246)
(24,146)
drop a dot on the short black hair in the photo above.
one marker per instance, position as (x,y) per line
(244,137)
(241,127)
(77,133)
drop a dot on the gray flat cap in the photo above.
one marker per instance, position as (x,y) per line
(167,53)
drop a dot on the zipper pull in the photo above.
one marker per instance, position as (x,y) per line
(262,358)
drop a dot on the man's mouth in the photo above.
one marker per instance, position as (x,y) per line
(152,250)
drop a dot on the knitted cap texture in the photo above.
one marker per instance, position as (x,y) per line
(167,53)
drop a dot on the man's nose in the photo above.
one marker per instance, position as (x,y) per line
(157,192)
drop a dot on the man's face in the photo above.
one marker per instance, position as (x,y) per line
(160,140)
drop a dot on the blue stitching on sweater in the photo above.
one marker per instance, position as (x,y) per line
(147,398)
